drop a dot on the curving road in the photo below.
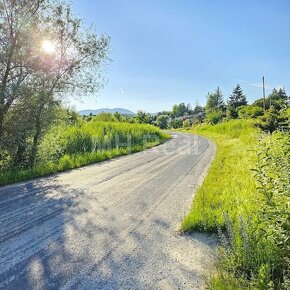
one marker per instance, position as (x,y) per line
(111,225)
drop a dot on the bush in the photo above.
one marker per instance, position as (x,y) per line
(186,124)
(162,121)
(273,119)
(177,123)
(214,117)
(252,111)
(105,117)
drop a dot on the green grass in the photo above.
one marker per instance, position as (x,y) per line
(229,187)
(68,147)
(245,198)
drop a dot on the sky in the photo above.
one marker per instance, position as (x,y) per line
(171,51)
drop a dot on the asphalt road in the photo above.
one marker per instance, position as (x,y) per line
(111,225)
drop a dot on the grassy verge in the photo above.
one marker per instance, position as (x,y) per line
(229,188)
(246,199)
(65,148)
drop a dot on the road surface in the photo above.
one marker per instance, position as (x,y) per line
(112,225)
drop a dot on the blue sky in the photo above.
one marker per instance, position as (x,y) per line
(170,51)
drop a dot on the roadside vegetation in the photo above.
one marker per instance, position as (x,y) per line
(47,55)
(44,60)
(230,171)
(66,146)
(245,197)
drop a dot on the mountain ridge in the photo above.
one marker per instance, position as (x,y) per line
(106,110)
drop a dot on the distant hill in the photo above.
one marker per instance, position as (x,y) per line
(106,110)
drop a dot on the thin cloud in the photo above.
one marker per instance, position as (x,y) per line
(122,91)
(260,85)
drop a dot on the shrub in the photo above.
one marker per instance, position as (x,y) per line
(162,121)
(177,123)
(186,124)
(105,117)
(214,117)
(252,111)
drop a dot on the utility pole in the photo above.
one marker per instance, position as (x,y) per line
(264,98)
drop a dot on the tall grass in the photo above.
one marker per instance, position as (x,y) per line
(246,199)
(230,185)
(66,147)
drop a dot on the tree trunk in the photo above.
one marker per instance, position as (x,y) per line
(1,121)
(36,135)
(20,160)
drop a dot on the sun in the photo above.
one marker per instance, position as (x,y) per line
(48,46)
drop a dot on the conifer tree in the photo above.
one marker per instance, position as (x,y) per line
(215,101)
(237,98)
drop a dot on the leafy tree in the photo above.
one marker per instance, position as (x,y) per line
(198,109)
(251,111)
(162,121)
(214,117)
(22,133)
(215,101)
(186,124)
(168,113)
(176,123)
(143,117)
(189,109)
(278,95)
(70,66)
(277,99)
(260,103)
(118,116)
(31,75)
(179,110)
(272,120)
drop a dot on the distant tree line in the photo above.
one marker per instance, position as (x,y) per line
(217,110)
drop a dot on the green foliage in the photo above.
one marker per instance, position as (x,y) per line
(34,80)
(69,146)
(252,111)
(226,281)
(277,99)
(278,95)
(214,117)
(273,178)
(237,98)
(215,101)
(198,109)
(255,242)
(186,124)
(272,120)
(24,127)
(162,121)
(176,123)
(143,117)
(181,109)
(258,248)
(231,169)
(105,117)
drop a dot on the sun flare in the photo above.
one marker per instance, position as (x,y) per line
(48,46)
